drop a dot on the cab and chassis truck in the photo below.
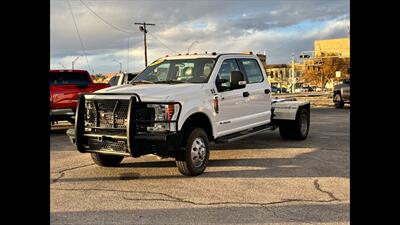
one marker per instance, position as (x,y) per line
(178,105)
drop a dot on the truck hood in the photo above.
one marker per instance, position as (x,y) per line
(153,92)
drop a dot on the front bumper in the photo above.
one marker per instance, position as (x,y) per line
(61,114)
(161,144)
(121,140)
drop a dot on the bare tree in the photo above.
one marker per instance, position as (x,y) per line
(326,70)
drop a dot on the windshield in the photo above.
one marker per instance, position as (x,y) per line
(177,71)
(57,78)
(113,81)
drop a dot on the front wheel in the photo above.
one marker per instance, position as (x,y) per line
(194,159)
(337,99)
(106,160)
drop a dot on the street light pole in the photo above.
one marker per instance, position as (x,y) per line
(120,65)
(293,81)
(191,45)
(143,29)
(73,62)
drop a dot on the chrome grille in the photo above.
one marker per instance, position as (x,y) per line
(110,113)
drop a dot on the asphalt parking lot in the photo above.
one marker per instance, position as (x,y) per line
(258,180)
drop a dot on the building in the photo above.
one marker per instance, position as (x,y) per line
(337,47)
(278,74)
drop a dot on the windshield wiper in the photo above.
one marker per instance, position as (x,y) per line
(170,82)
(141,82)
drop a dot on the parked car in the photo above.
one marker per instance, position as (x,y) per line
(65,85)
(275,89)
(307,89)
(166,115)
(341,93)
(121,78)
(298,90)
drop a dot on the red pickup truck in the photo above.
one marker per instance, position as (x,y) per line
(65,85)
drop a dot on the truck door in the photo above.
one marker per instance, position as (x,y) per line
(259,92)
(233,106)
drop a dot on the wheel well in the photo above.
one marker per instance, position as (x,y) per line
(307,107)
(199,120)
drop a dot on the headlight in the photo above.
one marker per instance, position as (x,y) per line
(163,112)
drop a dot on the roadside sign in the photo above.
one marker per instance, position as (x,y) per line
(337,73)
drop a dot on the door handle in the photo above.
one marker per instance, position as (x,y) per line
(246,94)
(267,91)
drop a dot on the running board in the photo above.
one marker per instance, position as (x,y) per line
(243,134)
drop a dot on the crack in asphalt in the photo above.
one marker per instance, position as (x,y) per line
(171,198)
(62,172)
(56,179)
(227,203)
(318,187)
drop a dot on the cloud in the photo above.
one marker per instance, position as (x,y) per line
(277,27)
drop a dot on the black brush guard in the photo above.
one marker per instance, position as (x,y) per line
(135,143)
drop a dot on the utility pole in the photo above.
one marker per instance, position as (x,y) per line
(143,29)
(127,64)
(73,62)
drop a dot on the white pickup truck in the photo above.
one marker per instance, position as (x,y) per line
(122,78)
(178,105)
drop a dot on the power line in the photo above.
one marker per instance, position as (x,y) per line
(122,30)
(79,36)
(105,21)
(162,43)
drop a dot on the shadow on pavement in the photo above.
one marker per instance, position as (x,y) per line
(324,154)
(310,164)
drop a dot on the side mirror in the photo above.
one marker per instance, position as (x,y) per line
(223,84)
(237,80)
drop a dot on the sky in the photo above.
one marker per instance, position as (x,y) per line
(106,28)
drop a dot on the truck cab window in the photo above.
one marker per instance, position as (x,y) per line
(225,70)
(252,70)
(113,81)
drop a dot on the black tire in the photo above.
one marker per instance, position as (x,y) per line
(106,160)
(297,129)
(337,99)
(185,159)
